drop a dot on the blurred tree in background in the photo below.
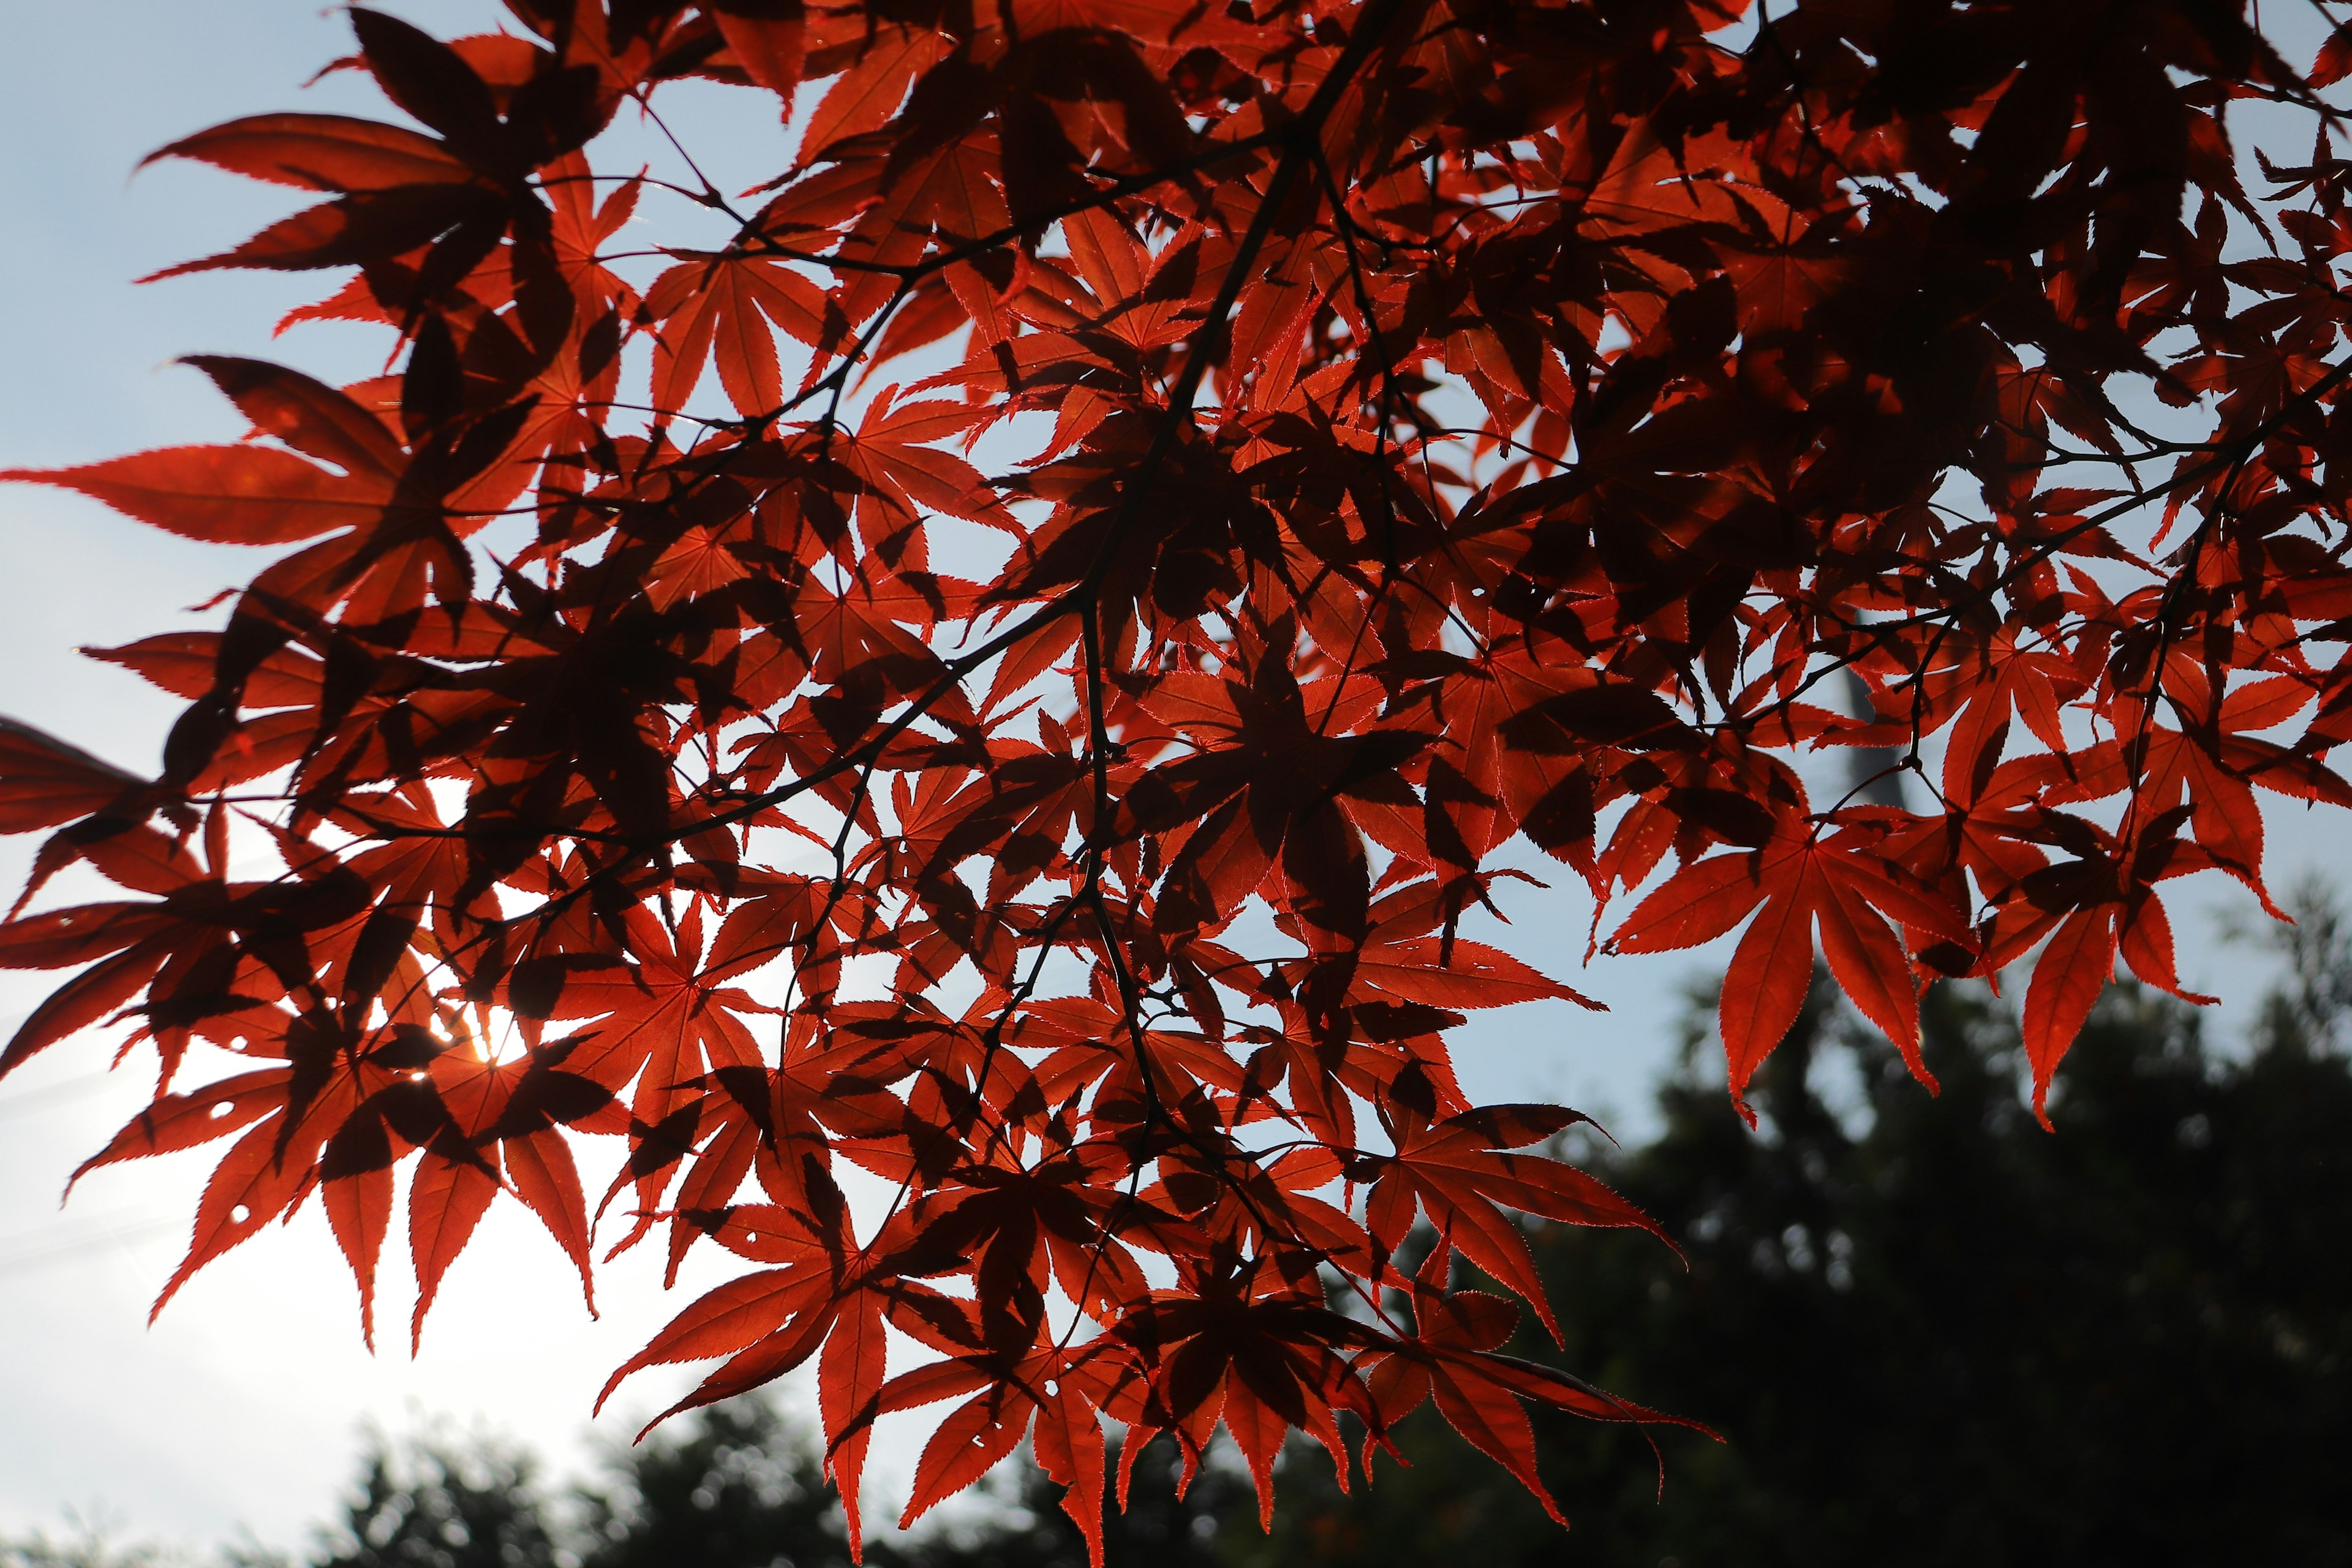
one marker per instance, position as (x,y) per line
(1932,1333)
(90,1543)
(738,1487)
(1929,1332)
(431,1502)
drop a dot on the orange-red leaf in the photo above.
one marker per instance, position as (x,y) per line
(1764,989)
(223,495)
(2067,979)
(321,152)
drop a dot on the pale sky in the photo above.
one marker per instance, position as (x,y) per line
(240,1405)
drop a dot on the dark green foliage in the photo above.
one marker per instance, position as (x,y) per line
(1931,1332)
(734,1487)
(432,1503)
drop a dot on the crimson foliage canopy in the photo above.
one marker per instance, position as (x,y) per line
(1423,425)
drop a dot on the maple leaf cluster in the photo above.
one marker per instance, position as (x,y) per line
(1456,421)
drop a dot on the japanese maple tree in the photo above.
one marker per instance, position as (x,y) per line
(1423,423)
